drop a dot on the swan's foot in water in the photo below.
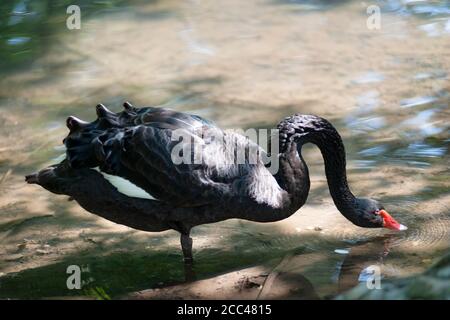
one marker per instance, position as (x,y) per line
(186,246)
(189,273)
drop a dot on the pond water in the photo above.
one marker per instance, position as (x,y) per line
(243,64)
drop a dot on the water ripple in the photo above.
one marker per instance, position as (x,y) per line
(421,150)
(369,77)
(417,101)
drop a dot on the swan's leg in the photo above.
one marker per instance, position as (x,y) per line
(186,246)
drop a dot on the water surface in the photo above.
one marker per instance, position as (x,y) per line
(244,65)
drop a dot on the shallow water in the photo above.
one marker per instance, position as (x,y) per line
(244,65)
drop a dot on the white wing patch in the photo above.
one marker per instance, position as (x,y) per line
(263,187)
(125,187)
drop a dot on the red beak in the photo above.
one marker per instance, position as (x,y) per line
(391,223)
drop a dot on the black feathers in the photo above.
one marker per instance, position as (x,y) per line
(136,144)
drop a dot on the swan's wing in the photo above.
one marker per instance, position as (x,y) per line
(144,155)
(141,149)
(168,119)
(83,136)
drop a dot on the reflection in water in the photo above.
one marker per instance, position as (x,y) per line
(421,150)
(424,8)
(366,123)
(241,65)
(352,269)
(434,29)
(438,74)
(369,77)
(17,41)
(373,151)
(417,101)
(368,101)
(423,121)
(193,44)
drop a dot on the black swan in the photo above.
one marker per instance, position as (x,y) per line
(134,147)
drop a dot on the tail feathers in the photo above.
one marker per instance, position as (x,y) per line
(97,149)
(55,178)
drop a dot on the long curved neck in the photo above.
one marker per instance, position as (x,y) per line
(293,174)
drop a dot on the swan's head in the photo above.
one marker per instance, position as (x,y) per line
(370,213)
